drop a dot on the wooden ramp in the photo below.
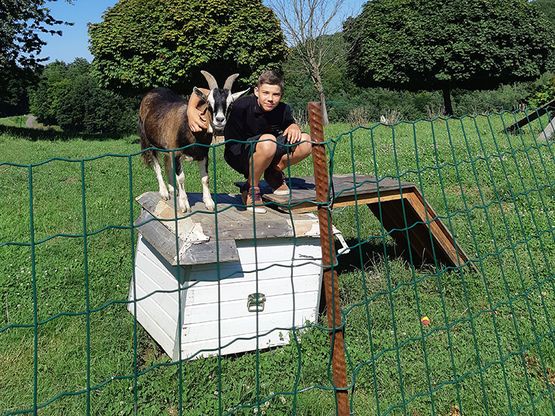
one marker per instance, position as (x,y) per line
(391,201)
(548,131)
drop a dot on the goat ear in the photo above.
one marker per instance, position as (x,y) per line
(239,94)
(201,95)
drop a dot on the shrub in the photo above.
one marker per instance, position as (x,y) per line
(544,91)
(71,96)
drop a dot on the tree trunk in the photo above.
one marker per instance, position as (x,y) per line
(447,101)
(320,88)
(325,119)
(314,70)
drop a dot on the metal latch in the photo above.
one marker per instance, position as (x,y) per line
(344,246)
(256,302)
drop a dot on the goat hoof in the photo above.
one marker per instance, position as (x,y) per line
(164,194)
(184,206)
(210,206)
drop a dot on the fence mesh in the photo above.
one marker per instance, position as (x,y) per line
(474,339)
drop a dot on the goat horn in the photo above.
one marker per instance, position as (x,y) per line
(229,81)
(212,83)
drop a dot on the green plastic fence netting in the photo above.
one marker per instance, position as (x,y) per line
(69,346)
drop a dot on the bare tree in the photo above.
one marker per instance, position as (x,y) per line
(306,24)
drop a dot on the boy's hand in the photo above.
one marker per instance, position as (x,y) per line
(293,133)
(196,113)
(197,120)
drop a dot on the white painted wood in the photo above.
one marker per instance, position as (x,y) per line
(156,312)
(549,130)
(204,293)
(239,343)
(279,250)
(246,325)
(238,308)
(288,276)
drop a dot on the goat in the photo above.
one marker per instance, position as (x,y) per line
(163,124)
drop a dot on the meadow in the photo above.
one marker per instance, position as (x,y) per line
(489,349)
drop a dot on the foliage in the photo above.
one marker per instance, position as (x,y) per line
(547,7)
(13,94)
(346,101)
(146,43)
(431,44)
(505,97)
(308,26)
(356,105)
(21,23)
(70,95)
(544,91)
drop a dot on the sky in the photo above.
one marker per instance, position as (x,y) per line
(74,43)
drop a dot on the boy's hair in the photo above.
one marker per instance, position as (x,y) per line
(270,77)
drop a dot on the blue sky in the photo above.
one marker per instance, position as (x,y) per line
(75,40)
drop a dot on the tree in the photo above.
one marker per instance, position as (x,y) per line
(145,43)
(444,44)
(299,88)
(70,96)
(307,24)
(21,23)
(547,7)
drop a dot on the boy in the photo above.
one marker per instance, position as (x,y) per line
(257,130)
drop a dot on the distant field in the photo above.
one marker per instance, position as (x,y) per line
(14,121)
(25,121)
(490,348)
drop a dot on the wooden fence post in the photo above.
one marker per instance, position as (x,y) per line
(331,284)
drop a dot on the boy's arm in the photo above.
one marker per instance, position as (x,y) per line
(196,112)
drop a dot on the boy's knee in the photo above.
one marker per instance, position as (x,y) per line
(267,145)
(306,145)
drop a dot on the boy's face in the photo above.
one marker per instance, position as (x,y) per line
(268,96)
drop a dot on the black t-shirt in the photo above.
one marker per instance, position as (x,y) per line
(247,119)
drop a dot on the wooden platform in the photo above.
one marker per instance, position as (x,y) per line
(390,201)
(202,240)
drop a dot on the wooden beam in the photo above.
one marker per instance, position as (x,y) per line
(540,111)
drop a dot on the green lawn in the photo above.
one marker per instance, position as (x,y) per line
(490,348)
(14,121)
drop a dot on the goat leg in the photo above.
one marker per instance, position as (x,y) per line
(176,179)
(206,196)
(161,184)
(183,200)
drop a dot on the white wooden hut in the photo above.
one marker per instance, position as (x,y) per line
(224,292)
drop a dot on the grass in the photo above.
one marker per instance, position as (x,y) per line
(490,348)
(21,122)
(13,121)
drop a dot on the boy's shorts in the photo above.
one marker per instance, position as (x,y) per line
(238,154)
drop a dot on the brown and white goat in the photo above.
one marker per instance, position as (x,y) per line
(163,124)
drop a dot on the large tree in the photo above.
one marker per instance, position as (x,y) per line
(445,44)
(21,24)
(146,43)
